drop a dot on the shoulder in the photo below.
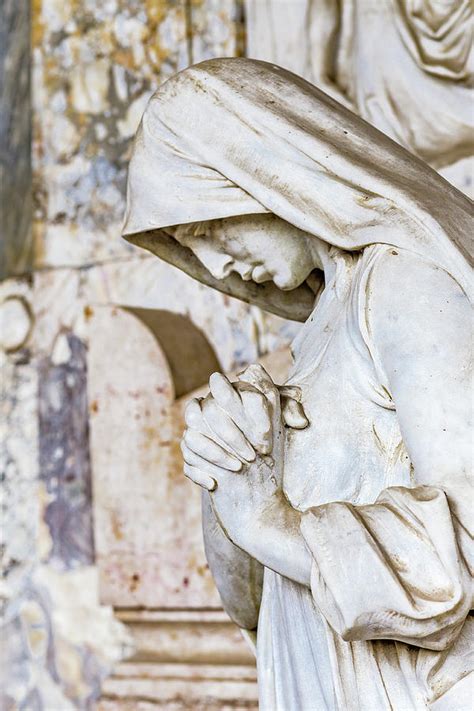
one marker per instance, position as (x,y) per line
(406,274)
(417,311)
(406,292)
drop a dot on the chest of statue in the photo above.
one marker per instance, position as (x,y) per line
(352,448)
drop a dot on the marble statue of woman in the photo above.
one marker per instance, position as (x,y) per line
(337,511)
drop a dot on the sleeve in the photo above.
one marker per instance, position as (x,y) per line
(396,569)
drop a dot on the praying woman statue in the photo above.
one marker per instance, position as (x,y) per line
(337,508)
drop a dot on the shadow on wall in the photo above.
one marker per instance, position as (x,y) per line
(190,357)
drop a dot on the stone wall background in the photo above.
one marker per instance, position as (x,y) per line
(93,66)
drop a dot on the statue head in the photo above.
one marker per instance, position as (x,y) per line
(242,174)
(258,248)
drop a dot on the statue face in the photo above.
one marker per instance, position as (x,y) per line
(257,247)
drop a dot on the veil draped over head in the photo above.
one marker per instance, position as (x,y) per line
(231,137)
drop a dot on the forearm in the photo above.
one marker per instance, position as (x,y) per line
(417,592)
(238,577)
(276,541)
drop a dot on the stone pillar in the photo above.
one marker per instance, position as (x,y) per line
(15,139)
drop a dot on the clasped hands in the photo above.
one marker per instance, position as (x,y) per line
(233,446)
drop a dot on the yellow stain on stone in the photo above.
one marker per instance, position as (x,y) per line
(124,57)
(116,525)
(35,627)
(157,10)
(69,666)
(38,229)
(37,26)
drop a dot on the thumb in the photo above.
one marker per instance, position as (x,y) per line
(292,410)
(257,376)
(293,414)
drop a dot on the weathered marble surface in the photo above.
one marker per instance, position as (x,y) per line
(396,64)
(95,66)
(58,641)
(64,458)
(19,453)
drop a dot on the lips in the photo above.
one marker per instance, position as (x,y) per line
(260,274)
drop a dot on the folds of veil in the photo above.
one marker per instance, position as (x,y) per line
(232,137)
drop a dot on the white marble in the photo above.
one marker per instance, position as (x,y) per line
(397,63)
(16,322)
(336,507)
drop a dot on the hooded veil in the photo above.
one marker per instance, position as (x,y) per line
(233,137)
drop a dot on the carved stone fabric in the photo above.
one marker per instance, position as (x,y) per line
(288,149)
(417,64)
(390,562)
(438,35)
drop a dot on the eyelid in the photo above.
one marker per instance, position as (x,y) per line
(191,230)
(201,229)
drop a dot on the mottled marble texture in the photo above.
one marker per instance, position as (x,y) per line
(64,452)
(18,460)
(95,66)
(59,643)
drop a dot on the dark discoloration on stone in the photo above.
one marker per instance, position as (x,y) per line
(64,455)
(15,138)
